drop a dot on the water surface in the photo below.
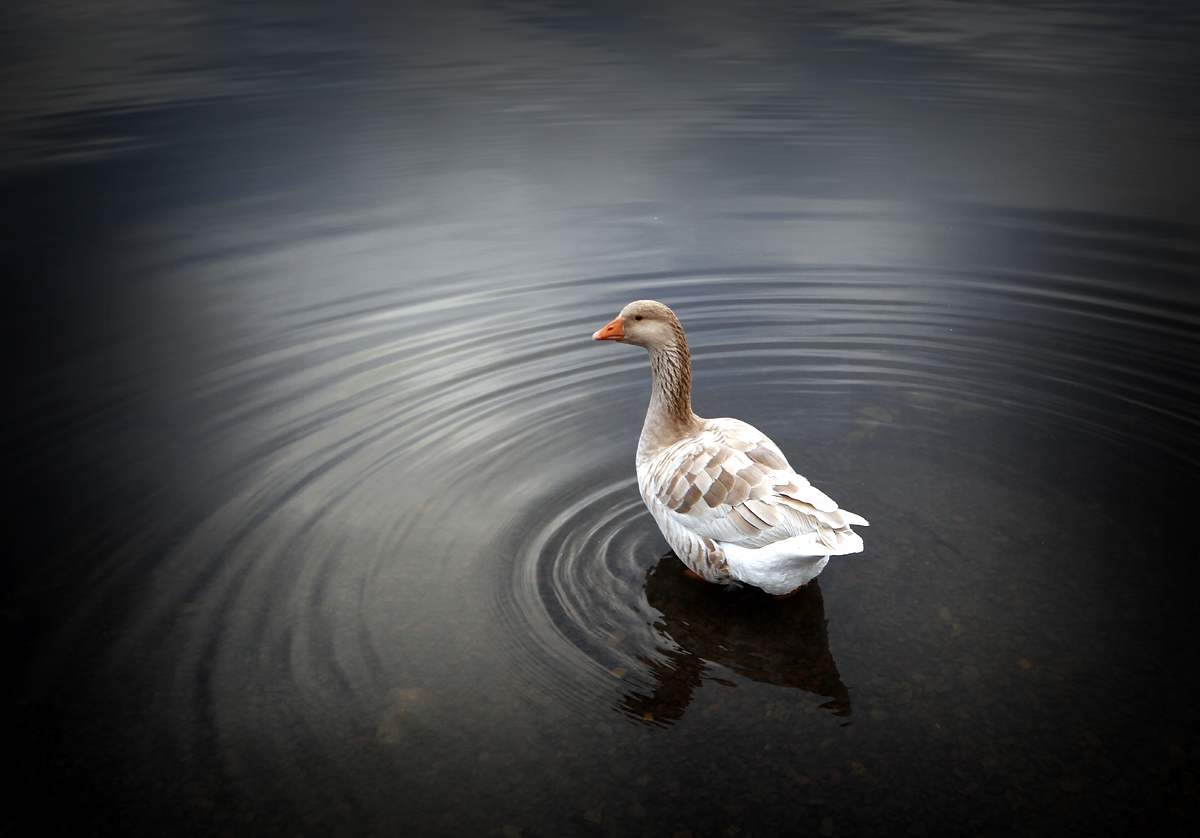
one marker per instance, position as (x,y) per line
(322,506)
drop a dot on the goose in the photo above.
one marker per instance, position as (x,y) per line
(722,493)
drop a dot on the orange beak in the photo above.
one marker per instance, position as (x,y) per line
(613,331)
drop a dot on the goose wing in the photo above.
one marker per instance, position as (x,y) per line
(731,483)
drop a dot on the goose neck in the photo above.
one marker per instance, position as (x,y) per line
(670,416)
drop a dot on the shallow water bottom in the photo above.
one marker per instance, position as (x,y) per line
(1005,658)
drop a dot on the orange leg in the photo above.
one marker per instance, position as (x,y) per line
(793,593)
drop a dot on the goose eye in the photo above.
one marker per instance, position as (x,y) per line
(637,317)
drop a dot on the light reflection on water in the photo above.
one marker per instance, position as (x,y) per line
(328,511)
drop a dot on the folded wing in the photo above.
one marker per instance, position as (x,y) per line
(732,484)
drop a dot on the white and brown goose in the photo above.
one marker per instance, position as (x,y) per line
(723,494)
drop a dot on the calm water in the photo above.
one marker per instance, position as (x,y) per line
(322,515)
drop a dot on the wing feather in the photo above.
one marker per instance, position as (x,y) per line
(731,484)
(738,492)
(745,521)
(769,514)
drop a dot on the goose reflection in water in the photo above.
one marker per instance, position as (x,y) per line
(783,642)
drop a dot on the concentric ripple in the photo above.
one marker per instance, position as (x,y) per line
(577,596)
(409,518)
(432,502)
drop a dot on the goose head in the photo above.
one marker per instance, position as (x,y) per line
(643,323)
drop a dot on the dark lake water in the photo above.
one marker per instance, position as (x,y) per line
(321,506)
